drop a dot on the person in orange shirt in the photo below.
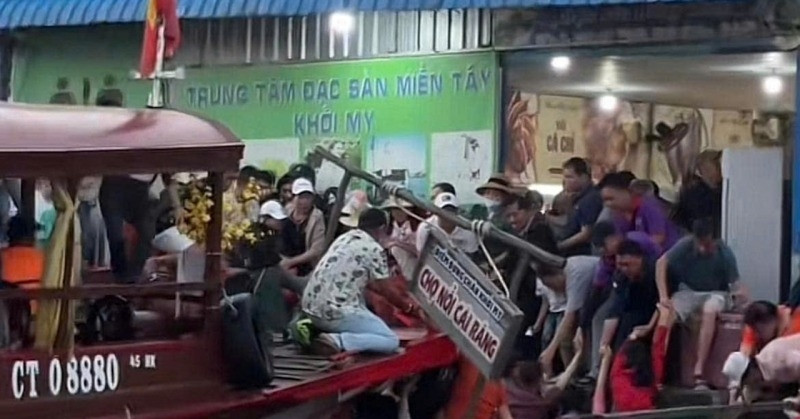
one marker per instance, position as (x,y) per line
(493,403)
(21,262)
(765,321)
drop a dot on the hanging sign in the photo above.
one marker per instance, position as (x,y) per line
(463,303)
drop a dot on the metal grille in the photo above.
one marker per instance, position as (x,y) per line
(310,38)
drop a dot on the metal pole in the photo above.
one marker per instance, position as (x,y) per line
(539,255)
(156,99)
(333,221)
(519,274)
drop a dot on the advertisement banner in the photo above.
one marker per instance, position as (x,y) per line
(463,303)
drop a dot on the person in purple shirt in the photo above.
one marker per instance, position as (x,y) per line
(638,213)
(606,238)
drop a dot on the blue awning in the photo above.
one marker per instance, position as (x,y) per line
(36,13)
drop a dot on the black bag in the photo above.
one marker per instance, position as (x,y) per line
(248,359)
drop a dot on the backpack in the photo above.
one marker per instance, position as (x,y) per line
(109,319)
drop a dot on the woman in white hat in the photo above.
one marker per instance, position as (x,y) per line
(403,235)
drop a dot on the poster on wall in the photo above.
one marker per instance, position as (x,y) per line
(521,129)
(469,156)
(613,138)
(329,175)
(678,135)
(276,155)
(559,135)
(732,129)
(544,131)
(400,160)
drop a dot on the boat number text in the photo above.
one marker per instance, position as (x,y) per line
(83,375)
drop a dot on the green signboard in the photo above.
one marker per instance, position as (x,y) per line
(412,120)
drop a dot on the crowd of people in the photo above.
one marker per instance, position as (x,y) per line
(635,264)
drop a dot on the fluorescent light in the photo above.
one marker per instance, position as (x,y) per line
(772,85)
(560,63)
(342,22)
(608,103)
(546,189)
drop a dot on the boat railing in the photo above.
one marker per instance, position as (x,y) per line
(761,409)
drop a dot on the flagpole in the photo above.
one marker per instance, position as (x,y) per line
(156,97)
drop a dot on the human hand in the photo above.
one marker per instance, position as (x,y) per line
(605,351)
(546,359)
(666,315)
(286,264)
(537,327)
(740,297)
(666,302)
(639,332)
(150,270)
(577,342)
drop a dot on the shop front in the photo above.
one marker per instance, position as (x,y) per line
(649,97)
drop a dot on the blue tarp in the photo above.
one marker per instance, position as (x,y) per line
(33,13)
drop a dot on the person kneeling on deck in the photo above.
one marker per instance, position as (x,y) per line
(334,296)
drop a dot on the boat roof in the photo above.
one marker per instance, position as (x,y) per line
(52,141)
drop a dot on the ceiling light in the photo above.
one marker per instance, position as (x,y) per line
(608,103)
(342,22)
(772,85)
(560,63)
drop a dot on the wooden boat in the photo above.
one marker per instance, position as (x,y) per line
(178,377)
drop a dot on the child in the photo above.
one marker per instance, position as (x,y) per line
(637,370)
(551,313)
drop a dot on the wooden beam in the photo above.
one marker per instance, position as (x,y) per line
(538,255)
(333,221)
(96,291)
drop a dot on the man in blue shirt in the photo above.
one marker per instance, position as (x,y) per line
(588,204)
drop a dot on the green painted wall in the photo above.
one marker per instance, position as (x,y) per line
(421,119)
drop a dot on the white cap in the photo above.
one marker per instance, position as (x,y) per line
(302,185)
(171,241)
(273,209)
(446,199)
(735,367)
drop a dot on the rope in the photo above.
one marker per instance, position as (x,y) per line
(481,229)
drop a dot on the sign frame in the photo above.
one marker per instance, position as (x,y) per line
(495,311)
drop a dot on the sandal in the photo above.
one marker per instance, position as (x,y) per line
(701,384)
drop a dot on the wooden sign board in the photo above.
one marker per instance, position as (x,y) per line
(463,303)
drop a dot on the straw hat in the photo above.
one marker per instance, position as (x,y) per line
(353,208)
(496,182)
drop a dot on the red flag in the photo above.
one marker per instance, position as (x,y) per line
(159,11)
